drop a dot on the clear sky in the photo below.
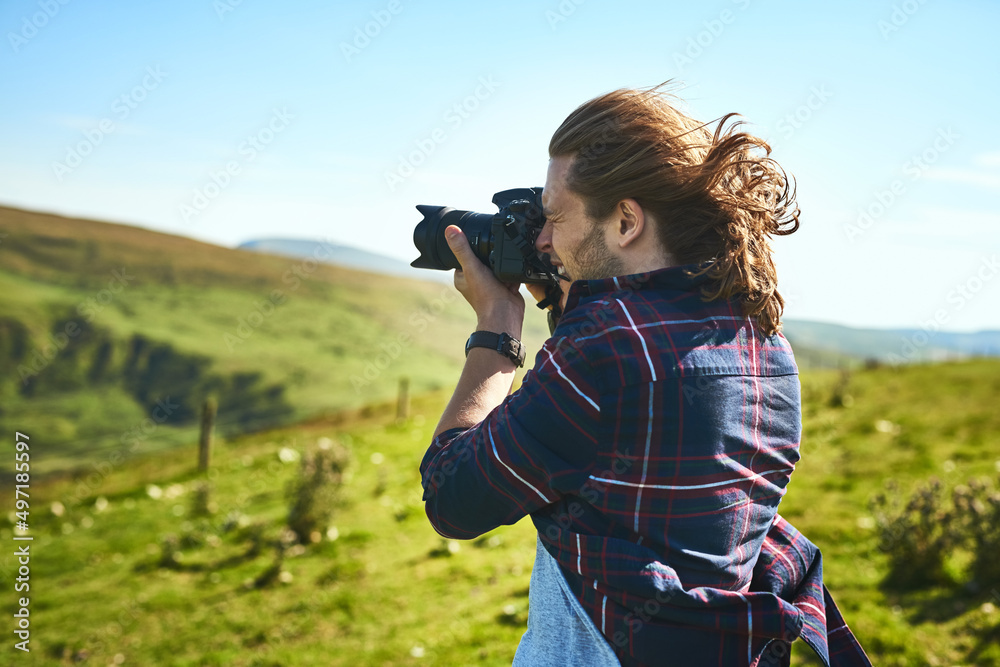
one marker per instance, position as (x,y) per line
(232,120)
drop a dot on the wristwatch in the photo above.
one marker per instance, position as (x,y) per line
(503,343)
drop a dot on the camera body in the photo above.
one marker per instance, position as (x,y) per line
(504,241)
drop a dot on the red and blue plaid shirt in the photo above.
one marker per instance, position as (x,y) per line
(651,444)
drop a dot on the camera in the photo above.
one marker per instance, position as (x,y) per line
(504,241)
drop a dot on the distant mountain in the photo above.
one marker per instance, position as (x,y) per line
(345,256)
(892,345)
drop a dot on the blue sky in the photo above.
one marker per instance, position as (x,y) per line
(228,120)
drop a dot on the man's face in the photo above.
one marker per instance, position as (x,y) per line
(572,240)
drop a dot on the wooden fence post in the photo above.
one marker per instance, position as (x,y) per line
(403,402)
(205,441)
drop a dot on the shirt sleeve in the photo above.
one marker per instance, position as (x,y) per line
(536,446)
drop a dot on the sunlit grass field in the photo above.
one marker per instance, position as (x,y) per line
(332,338)
(381,587)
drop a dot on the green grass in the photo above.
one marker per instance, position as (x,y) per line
(388,589)
(945,424)
(337,338)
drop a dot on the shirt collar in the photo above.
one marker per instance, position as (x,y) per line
(677,278)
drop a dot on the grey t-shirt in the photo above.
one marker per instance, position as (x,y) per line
(559,630)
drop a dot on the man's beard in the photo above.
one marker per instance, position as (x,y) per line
(592,258)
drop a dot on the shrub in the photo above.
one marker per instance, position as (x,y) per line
(314,490)
(918,537)
(978,504)
(201,500)
(841,398)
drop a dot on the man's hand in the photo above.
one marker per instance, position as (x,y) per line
(499,307)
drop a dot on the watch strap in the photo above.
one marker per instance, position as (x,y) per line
(503,343)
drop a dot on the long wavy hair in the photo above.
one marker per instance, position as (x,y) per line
(716,196)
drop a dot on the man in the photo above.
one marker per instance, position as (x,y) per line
(655,436)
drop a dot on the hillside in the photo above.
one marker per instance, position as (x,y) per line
(101,323)
(113,336)
(344,256)
(129,566)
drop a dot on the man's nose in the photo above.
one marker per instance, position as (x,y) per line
(544,241)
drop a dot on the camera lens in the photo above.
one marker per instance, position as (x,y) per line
(428,236)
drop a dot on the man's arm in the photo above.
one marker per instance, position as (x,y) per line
(493,459)
(486,379)
(536,446)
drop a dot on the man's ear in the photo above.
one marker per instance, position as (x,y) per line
(631,222)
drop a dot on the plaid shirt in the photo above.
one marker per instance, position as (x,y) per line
(651,444)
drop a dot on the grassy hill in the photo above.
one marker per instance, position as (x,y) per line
(382,588)
(101,323)
(113,336)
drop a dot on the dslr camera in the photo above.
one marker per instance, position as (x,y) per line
(504,241)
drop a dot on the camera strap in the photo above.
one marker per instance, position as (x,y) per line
(553,295)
